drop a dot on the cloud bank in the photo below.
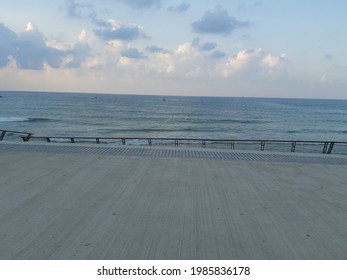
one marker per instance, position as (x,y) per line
(30,50)
(190,60)
(254,63)
(111,50)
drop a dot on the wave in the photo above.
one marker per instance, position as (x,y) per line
(13,119)
(145,130)
(242,121)
(23,119)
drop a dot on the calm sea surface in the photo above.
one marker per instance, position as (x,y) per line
(63,114)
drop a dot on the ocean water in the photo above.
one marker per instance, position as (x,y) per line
(102,115)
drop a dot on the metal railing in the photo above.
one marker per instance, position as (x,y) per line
(327,145)
(4,132)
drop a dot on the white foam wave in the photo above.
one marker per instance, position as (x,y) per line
(13,119)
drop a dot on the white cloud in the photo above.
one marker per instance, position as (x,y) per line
(83,36)
(196,72)
(252,63)
(30,27)
(63,46)
(115,46)
(184,48)
(186,62)
(161,64)
(243,61)
(270,61)
(125,61)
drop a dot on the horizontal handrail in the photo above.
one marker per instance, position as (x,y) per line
(3,133)
(327,148)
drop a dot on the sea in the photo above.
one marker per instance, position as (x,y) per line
(153,116)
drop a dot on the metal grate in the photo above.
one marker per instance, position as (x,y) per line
(173,153)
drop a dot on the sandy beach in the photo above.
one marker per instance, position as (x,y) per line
(92,202)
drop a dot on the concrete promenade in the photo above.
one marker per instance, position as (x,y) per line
(72,201)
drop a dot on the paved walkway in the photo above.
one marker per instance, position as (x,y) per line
(84,202)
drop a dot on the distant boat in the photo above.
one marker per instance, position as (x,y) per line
(164,99)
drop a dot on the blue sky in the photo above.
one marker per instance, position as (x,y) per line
(270,48)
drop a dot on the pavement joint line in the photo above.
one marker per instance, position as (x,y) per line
(174,153)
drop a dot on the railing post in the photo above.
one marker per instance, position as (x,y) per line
(203,143)
(150,142)
(232,145)
(48,139)
(176,143)
(331,146)
(2,135)
(262,145)
(325,147)
(123,141)
(97,140)
(72,140)
(293,147)
(27,138)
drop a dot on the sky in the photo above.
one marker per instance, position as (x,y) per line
(266,48)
